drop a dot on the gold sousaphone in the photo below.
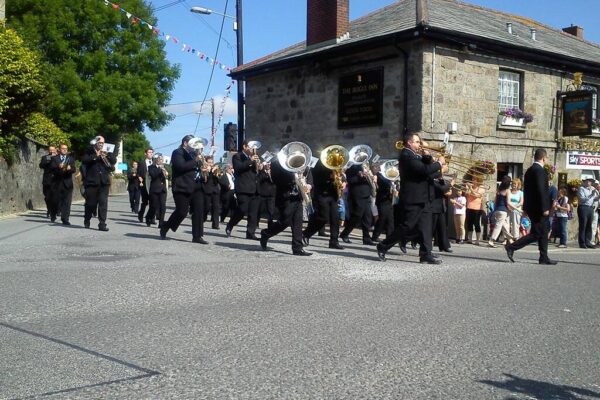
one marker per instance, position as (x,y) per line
(335,158)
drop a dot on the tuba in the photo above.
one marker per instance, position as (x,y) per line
(295,157)
(335,157)
(360,155)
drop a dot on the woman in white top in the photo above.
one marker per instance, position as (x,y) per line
(460,211)
(515,207)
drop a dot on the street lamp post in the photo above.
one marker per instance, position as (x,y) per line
(240,61)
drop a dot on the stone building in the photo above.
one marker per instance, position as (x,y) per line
(418,65)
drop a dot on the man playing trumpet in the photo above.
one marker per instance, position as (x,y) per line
(98,165)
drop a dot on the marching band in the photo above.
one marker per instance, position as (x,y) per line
(403,200)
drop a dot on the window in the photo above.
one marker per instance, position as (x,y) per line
(509,90)
(511,169)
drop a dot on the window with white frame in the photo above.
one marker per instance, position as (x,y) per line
(509,90)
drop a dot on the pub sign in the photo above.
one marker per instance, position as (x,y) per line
(577,113)
(360,101)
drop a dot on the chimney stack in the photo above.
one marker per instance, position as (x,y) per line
(327,20)
(574,30)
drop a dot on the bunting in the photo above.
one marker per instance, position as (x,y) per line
(134,20)
(221,112)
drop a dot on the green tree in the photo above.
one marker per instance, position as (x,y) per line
(134,145)
(105,75)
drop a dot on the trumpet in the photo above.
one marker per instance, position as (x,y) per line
(335,157)
(255,145)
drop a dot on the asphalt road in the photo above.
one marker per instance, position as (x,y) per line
(121,314)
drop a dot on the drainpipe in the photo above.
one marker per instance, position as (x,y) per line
(405,111)
(433,88)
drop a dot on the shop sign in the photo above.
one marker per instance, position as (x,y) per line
(576,160)
(577,113)
(360,101)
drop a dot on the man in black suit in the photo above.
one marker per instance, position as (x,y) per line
(439,209)
(291,209)
(536,205)
(142,173)
(325,201)
(227,192)
(158,188)
(211,193)
(246,166)
(359,196)
(416,195)
(383,201)
(47,182)
(187,184)
(98,166)
(63,167)
(133,188)
(266,191)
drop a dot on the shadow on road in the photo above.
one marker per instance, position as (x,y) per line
(253,246)
(541,390)
(150,236)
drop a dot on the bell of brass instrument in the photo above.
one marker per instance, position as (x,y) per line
(335,157)
(389,170)
(360,155)
(295,157)
(254,145)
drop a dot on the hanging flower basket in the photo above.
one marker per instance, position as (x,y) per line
(510,121)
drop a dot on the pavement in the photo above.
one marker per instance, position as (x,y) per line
(86,314)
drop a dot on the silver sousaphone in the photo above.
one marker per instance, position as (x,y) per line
(295,157)
(360,155)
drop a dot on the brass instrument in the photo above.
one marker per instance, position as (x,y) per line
(255,145)
(295,157)
(360,155)
(335,157)
(197,145)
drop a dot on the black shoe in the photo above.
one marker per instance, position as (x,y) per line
(376,240)
(590,246)
(263,240)
(345,239)
(47,214)
(228,232)
(251,236)
(369,242)
(429,260)
(305,240)
(67,223)
(403,248)
(509,253)
(148,223)
(548,262)
(413,245)
(301,253)
(103,228)
(86,224)
(140,217)
(447,250)
(163,231)
(199,240)
(381,252)
(336,246)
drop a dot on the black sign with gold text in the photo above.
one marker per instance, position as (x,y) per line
(577,113)
(361,99)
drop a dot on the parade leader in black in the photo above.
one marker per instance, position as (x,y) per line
(98,166)
(417,170)
(291,209)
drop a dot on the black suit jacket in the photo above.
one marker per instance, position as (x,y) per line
(245,174)
(142,170)
(184,172)
(48,177)
(416,173)
(211,186)
(285,183)
(224,184)
(62,177)
(323,181)
(440,188)
(157,180)
(266,187)
(133,183)
(536,199)
(358,186)
(384,190)
(97,173)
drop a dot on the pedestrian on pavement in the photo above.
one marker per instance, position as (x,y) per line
(585,212)
(537,206)
(562,209)
(515,206)
(459,203)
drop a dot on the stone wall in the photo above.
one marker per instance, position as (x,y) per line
(21,183)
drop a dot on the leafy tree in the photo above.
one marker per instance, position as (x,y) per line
(106,75)
(134,145)
(41,129)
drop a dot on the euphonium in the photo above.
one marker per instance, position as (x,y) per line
(295,157)
(360,155)
(335,157)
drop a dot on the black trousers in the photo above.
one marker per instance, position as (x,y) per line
(415,221)
(360,214)
(267,207)
(159,202)
(247,204)
(65,197)
(227,204)
(473,220)
(385,222)
(211,206)
(290,214)
(48,198)
(585,215)
(183,202)
(146,201)
(538,233)
(326,212)
(440,230)
(134,200)
(96,196)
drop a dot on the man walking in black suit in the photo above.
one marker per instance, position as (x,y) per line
(537,207)
(416,195)
(47,182)
(211,193)
(359,195)
(227,192)
(158,188)
(142,173)
(246,167)
(266,191)
(383,201)
(98,167)
(133,187)
(63,167)
(187,184)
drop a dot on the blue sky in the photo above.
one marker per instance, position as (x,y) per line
(270,25)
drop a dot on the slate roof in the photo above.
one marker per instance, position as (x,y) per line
(449,17)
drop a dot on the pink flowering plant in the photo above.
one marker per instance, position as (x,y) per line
(550,170)
(517,113)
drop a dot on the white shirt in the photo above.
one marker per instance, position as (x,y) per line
(230,179)
(462,201)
